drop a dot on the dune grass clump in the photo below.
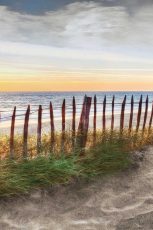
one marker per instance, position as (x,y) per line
(20,177)
(107,153)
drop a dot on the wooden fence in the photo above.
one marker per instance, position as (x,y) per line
(79,134)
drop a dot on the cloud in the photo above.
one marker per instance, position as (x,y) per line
(79,39)
(86,24)
(131,6)
(80,25)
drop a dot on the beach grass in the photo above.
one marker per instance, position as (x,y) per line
(108,154)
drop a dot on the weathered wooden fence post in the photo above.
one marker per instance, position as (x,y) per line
(84,122)
(151,118)
(104,114)
(52,126)
(73,115)
(95,119)
(12,134)
(73,121)
(122,115)
(112,120)
(63,116)
(131,114)
(25,132)
(146,113)
(63,125)
(139,114)
(81,121)
(39,129)
(86,119)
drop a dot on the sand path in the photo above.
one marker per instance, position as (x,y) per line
(120,202)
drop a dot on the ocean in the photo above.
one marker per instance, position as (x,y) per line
(22,99)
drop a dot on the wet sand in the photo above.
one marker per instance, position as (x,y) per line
(120,202)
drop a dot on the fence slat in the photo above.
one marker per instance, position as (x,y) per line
(73,116)
(131,114)
(25,132)
(87,112)
(139,114)
(63,125)
(39,129)
(63,116)
(52,126)
(80,126)
(151,118)
(80,132)
(146,113)
(112,120)
(73,121)
(12,134)
(86,120)
(95,119)
(104,114)
(122,115)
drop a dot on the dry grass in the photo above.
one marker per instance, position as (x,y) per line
(107,154)
(134,141)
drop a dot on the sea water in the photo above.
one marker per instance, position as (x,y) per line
(22,99)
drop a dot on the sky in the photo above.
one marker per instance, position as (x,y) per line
(67,45)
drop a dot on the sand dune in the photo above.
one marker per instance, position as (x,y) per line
(121,202)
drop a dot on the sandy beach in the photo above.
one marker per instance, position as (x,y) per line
(120,202)
(5,126)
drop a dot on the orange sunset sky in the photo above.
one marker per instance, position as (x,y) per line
(74,86)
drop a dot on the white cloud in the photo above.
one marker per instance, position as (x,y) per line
(83,36)
(81,24)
